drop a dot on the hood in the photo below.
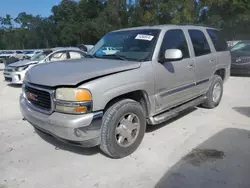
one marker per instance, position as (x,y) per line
(22,63)
(240,53)
(72,72)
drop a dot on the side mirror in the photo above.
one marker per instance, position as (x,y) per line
(172,55)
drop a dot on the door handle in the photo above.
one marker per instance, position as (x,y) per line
(212,61)
(191,66)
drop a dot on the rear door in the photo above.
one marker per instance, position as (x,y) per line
(221,47)
(205,59)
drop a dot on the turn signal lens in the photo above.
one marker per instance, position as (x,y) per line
(81,109)
(83,95)
(72,110)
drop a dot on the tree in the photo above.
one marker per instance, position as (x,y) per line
(86,21)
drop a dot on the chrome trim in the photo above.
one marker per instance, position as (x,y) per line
(98,114)
(193,84)
(50,91)
(72,103)
(88,104)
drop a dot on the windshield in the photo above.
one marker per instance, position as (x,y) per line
(40,56)
(133,45)
(241,46)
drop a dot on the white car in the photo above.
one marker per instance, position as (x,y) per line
(6,53)
(109,50)
(31,53)
(14,73)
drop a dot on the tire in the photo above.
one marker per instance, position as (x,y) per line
(210,103)
(109,136)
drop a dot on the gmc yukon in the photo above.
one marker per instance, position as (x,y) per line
(107,99)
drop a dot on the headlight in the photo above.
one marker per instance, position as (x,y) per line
(21,68)
(73,100)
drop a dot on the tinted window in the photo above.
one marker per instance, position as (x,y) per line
(174,39)
(219,43)
(200,44)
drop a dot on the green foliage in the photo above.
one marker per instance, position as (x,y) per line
(85,21)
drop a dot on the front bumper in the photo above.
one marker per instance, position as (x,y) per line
(80,130)
(240,69)
(14,77)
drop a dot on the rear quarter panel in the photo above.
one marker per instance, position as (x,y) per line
(224,62)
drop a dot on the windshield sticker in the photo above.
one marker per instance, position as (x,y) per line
(144,37)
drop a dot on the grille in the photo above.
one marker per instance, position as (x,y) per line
(38,98)
(244,60)
(8,79)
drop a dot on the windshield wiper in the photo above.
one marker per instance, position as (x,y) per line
(116,56)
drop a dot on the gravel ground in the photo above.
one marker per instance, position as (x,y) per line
(201,148)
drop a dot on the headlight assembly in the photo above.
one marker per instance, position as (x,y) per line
(21,68)
(73,100)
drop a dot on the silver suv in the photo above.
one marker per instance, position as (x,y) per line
(107,99)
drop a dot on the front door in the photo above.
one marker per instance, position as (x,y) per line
(175,80)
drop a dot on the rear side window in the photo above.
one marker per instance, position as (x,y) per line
(175,39)
(199,41)
(219,42)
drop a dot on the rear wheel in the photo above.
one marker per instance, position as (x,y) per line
(214,93)
(123,128)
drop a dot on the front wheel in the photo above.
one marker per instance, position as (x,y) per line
(123,128)
(214,93)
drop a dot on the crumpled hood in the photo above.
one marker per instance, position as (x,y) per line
(22,63)
(72,72)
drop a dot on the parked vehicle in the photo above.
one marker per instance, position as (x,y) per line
(107,100)
(31,53)
(241,58)
(18,54)
(10,60)
(14,73)
(6,54)
(232,43)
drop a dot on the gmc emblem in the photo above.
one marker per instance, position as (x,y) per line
(31,96)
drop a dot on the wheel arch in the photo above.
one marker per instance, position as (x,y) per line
(221,72)
(141,96)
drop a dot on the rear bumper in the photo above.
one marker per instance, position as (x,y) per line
(80,130)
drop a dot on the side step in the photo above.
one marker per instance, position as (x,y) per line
(175,111)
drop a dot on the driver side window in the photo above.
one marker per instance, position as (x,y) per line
(58,56)
(174,39)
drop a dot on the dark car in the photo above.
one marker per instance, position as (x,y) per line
(240,53)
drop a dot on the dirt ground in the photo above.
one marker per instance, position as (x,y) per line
(201,148)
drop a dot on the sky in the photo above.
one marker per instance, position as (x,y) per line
(14,7)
